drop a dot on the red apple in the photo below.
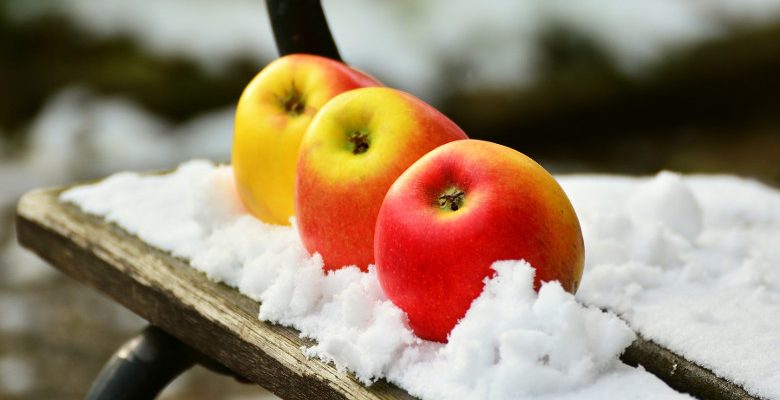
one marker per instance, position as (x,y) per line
(355,148)
(456,211)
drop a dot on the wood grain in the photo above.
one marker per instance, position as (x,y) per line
(211,317)
(681,374)
(222,323)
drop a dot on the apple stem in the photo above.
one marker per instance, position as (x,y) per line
(452,199)
(293,104)
(294,107)
(360,142)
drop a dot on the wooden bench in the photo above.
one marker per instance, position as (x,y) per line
(221,323)
(210,317)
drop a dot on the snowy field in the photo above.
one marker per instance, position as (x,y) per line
(689,262)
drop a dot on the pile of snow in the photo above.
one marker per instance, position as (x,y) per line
(512,343)
(692,263)
(414,45)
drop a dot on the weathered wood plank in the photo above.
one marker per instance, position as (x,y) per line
(211,317)
(222,323)
(681,374)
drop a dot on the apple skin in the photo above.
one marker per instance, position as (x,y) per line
(339,189)
(432,261)
(272,116)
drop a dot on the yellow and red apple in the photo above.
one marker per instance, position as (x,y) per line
(355,148)
(456,211)
(272,116)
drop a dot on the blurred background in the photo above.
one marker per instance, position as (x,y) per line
(91,87)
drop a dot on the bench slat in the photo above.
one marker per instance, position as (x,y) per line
(211,317)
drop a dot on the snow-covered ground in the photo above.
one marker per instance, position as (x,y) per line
(410,43)
(690,262)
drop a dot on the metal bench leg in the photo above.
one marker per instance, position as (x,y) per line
(142,367)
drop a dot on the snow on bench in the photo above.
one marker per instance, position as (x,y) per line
(692,263)
(135,238)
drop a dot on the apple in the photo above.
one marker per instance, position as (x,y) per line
(272,115)
(456,211)
(355,148)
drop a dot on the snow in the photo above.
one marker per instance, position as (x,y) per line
(16,313)
(16,375)
(117,133)
(666,202)
(21,267)
(691,263)
(546,345)
(431,45)
(540,345)
(79,135)
(211,32)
